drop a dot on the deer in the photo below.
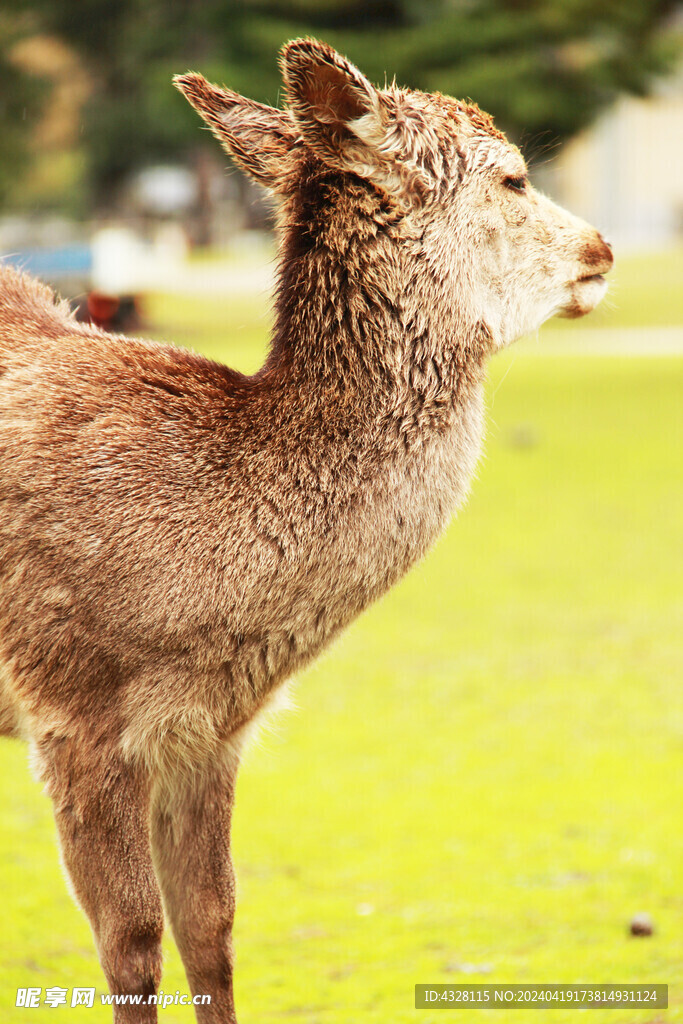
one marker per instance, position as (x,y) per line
(179,539)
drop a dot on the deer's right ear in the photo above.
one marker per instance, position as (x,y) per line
(342,116)
(339,111)
(258,137)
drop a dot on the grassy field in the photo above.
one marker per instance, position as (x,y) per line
(482,781)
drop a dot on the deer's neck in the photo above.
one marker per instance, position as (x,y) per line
(380,413)
(368,335)
(362,433)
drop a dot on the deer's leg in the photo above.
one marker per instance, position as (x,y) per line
(102,811)
(191,843)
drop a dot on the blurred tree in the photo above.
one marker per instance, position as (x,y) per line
(543,68)
(22,96)
(539,66)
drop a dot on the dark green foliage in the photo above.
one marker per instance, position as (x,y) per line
(21,99)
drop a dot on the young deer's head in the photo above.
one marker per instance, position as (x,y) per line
(479,245)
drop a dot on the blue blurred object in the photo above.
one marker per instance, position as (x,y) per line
(56,263)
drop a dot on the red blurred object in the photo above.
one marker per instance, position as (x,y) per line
(111,312)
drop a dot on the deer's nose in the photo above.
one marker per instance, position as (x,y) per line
(597,255)
(608,246)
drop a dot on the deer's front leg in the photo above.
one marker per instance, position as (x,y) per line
(101,807)
(191,843)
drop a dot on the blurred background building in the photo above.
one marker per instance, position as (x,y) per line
(624,172)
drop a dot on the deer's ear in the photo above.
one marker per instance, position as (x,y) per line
(256,136)
(342,116)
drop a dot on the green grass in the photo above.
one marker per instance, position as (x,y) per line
(482,781)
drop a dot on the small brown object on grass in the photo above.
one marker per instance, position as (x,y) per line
(641,924)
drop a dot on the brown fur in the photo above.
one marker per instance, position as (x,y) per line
(178,539)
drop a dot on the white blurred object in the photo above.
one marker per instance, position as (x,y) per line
(121,262)
(165,190)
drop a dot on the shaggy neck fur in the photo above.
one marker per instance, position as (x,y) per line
(364,326)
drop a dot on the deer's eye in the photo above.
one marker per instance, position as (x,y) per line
(516,184)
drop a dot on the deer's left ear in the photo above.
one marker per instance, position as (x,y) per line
(343,118)
(256,136)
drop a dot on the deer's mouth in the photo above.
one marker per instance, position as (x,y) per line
(585,293)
